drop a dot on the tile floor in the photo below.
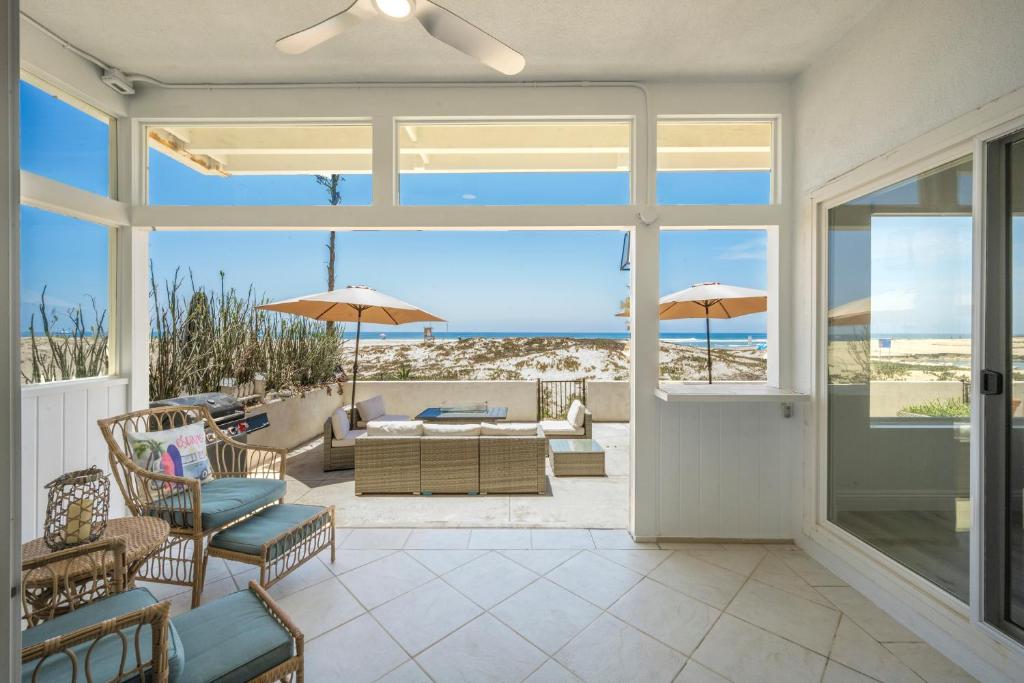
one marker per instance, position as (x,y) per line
(572,502)
(578,604)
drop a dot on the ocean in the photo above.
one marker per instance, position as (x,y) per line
(719,340)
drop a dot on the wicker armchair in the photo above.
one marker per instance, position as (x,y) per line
(513,464)
(182,560)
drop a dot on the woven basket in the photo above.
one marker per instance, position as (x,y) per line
(76,508)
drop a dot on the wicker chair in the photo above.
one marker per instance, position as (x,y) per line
(343,455)
(450,464)
(224,501)
(513,464)
(387,464)
(119,635)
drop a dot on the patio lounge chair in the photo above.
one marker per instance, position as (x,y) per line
(577,425)
(373,409)
(245,479)
(127,634)
(339,447)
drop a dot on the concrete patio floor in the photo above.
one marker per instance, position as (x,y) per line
(578,605)
(571,502)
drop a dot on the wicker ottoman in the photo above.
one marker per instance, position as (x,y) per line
(576,458)
(277,539)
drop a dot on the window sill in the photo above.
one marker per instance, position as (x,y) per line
(726,392)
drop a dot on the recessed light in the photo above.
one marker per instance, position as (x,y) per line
(395,9)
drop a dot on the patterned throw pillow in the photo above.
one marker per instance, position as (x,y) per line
(179,452)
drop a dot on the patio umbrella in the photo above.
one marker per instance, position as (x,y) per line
(710,300)
(355,303)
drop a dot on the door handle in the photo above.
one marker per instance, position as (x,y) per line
(991,383)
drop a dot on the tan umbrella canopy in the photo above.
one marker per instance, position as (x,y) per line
(711,300)
(355,303)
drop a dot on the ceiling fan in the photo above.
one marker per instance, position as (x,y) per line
(446,26)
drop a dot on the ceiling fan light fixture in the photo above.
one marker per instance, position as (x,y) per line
(395,9)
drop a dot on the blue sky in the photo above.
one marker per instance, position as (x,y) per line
(490,281)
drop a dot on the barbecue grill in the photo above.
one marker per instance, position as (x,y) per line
(227,412)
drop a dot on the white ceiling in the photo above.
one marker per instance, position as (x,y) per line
(232,41)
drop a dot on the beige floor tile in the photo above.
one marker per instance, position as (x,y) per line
(356,652)
(741,560)
(810,570)
(617,538)
(695,672)
(500,539)
(854,648)
(744,653)
(802,621)
(610,650)
(867,615)
(443,561)
(425,615)
(641,561)
(182,602)
(347,559)
(410,672)
(673,618)
(553,672)
(837,673)
(482,650)
(687,545)
(438,539)
(774,572)
(594,578)
(376,539)
(547,615)
(320,608)
(307,574)
(376,583)
(540,561)
(929,663)
(698,579)
(561,538)
(163,591)
(489,579)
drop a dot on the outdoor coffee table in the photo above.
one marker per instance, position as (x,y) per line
(143,537)
(576,458)
(440,415)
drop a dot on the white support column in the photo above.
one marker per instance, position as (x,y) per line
(643,367)
(10,396)
(131,325)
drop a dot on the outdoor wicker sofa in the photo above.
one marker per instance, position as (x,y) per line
(563,429)
(245,479)
(115,632)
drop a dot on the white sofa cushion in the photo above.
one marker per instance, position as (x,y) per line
(371,408)
(349,440)
(387,428)
(340,423)
(560,428)
(441,429)
(576,413)
(508,429)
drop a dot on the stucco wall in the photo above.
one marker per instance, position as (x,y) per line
(608,401)
(296,419)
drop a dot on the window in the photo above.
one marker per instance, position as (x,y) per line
(65,297)
(64,140)
(729,262)
(899,352)
(283,165)
(715,162)
(515,163)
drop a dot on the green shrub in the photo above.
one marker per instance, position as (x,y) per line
(952,407)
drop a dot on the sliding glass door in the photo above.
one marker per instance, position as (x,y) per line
(1002,386)
(899,365)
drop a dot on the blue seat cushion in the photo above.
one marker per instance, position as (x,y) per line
(105,660)
(233,639)
(249,536)
(223,501)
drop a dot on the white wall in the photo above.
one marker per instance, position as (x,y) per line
(59,434)
(910,67)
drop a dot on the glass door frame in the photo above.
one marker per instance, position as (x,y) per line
(995,264)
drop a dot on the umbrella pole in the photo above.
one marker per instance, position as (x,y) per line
(707,332)
(355,370)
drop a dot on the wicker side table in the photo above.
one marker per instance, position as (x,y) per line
(142,536)
(576,458)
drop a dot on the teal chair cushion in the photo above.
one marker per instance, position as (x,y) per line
(231,639)
(223,501)
(105,659)
(249,536)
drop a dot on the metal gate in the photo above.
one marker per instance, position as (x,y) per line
(555,395)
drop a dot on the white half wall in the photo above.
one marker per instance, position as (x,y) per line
(59,434)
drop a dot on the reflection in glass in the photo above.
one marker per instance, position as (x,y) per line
(1015,476)
(899,351)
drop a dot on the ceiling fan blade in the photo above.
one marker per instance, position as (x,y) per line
(452,29)
(308,38)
